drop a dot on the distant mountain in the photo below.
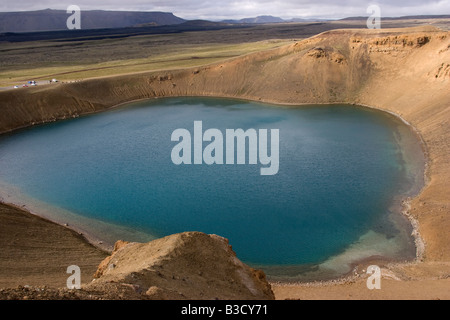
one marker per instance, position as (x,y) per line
(203,23)
(271,19)
(402,18)
(52,20)
(257,20)
(308,20)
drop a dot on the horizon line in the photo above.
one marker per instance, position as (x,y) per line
(238,18)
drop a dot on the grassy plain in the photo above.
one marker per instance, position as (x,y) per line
(96,53)
(83,62)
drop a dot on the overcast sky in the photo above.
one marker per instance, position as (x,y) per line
(227,9)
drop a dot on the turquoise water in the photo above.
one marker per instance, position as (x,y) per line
(340,169)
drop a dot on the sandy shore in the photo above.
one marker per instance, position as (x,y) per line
(405,72)
(26,238)
(37,252)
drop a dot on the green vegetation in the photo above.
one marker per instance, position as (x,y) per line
(98,53)
(77,60)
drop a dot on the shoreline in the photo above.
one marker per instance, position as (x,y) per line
(390,70)
(94,231)
(90,238)
(93,237)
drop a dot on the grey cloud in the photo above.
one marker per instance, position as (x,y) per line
(223,9)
